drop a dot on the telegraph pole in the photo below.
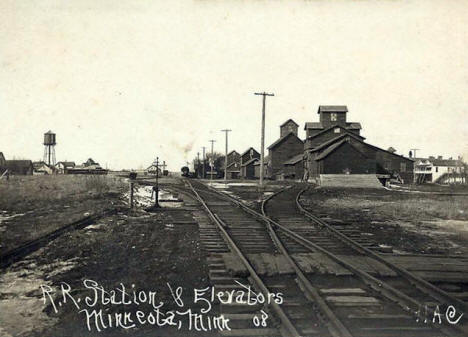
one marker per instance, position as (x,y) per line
(212,160)
(226,131)
(198,164)
(262,154)
(204,163)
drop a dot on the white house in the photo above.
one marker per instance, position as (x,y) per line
(436,170)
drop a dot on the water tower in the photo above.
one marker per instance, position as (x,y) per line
(49,148)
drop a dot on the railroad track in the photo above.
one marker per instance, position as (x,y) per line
(346,300)
(18,253)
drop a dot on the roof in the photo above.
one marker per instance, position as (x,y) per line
(289,120)
(332,108)
(248,151)
(18,165)
(318,125)
(233,151)
(313,125)
(440,162)
(248,162)
(280,140)
(353,126)
(332,148)
(233,163)
(294,160)
(332,127)
(66,163)
(333,140)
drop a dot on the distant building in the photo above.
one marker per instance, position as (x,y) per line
(19,167)
(233,157)
(233,170)
(41,168)
(247,160)
(91,164)
(283,149)
(435,170)
(335,147)
(294,167)
(152,170)
(248,168)
(63,166)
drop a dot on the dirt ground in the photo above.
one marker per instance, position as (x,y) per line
(143,251)
(411,222)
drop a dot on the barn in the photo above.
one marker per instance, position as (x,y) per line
(286,147)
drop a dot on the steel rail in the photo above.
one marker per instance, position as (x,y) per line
(290,330)
(420,283)
(334,325)
(18,253)
(379,286)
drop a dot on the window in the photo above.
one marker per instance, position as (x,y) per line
(333,117)
(437,169)
(251,153)
(402,167)
(336,130)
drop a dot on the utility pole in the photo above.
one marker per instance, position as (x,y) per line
(414,152)
(226,131)
(156,188)
(262,154)
(212,160)
(198,164)
(204,163)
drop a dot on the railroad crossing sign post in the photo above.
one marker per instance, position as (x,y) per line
(262,157)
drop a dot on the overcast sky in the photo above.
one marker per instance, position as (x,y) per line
(126,81)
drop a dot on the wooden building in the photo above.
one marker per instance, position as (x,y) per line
(249,154)
(248,168)
(331,115)
(294,167)
(283,149)
(233,170)
(335,146)
(41,168)
(63,166)
(18,167)
(233,157)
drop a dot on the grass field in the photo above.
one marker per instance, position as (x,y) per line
(408,221)
(31,206)
(21,190)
